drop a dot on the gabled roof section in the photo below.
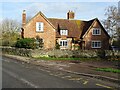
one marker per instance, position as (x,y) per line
(42,16)
(90,24)
(74,27)
(86,26)
(103,28)
(77,28)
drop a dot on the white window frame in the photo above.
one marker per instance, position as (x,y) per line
(95,31)
(62,43)
(63,32)
(39,26)
(95,46)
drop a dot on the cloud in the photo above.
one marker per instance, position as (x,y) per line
(59,10)
(53,9)
(83,10)
(59,1)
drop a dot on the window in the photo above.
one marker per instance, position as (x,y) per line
(39,26)
(96,31)
(96,44)
(63,43)
(63,32)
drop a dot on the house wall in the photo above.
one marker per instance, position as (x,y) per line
(48,35)
(103,38)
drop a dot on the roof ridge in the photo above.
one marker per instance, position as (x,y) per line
(67,19)
(74,19)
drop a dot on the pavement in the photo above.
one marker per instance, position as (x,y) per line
(85,68)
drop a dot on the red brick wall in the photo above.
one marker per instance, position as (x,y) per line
(48,35)
(103,38)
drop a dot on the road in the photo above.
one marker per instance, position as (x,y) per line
(16,74)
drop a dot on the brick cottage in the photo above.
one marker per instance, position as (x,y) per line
(68,33)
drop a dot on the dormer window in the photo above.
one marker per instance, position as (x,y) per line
(39,26)
(63,32)
(96,31)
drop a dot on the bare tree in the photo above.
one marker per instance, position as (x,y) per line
(111,22)
(9,25)
(10,32)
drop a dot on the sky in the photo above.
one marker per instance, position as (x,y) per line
(55,8)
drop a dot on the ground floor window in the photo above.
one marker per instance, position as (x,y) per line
(96,44)
(63,43)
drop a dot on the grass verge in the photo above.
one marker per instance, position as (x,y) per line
(70,59)
(108,70)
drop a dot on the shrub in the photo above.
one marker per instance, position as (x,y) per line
(39,42)
(9,38)
(101,53)
(57,45)
(27,43)
(108,70)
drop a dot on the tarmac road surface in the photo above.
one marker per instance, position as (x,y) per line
(16,74)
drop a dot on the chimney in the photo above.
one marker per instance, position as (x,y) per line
(70,15)
(23,18)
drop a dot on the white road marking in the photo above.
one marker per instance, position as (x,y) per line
(77,78)
(20,78)
(103,86)
(47,71)
(66,77)
(59,74)
(85,82)
(51,74)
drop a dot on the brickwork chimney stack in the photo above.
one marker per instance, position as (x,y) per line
(23,18)
(70,15)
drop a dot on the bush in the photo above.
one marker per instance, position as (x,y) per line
(9,38)
(27,43)
(101,53)
(57,45)
(108,70)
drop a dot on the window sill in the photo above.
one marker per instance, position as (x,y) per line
(64,35)
(39,31)
(96,34)
(96,47)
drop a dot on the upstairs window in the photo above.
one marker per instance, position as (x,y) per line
(39,26)
(63,32)
(96,31)
(96,44)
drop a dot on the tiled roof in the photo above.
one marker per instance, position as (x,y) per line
(76,28)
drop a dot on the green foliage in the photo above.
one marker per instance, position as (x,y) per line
(9,38)
(27,43)
(101,54)
(39,42)
(108,70)
(116,43)
(57,45)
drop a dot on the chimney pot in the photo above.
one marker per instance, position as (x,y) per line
(24,11)
(70,15)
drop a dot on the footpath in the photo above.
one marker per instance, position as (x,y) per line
(86,68)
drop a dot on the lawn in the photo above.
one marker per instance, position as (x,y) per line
(76,59)
(108,70)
